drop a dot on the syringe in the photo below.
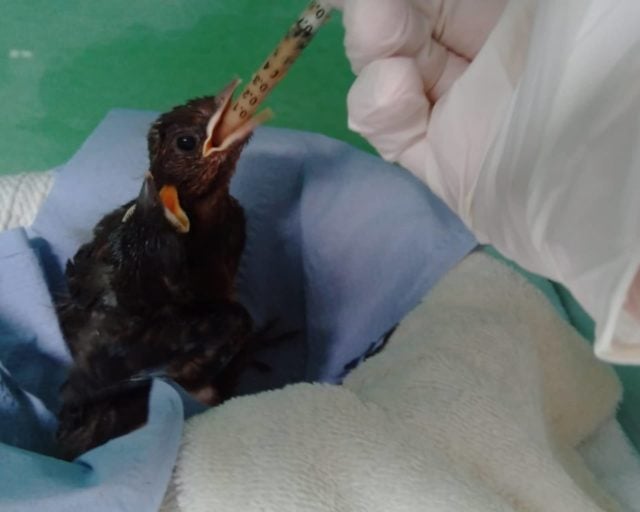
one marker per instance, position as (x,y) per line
(274,68)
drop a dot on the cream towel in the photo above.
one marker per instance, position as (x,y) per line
(21,196)
(478,403)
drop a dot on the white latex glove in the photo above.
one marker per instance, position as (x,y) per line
(525,119)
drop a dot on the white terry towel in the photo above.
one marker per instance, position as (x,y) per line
(478,403)
(21,196)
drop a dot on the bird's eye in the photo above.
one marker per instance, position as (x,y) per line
(186,142)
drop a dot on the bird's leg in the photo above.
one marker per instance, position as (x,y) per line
(264,338)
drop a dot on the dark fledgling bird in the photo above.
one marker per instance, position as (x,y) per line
(130,312)
(156,286)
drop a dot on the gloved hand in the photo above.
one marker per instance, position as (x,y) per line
(521,118)
(407,55)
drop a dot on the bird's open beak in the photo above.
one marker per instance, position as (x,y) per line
(172,209)
(217,141)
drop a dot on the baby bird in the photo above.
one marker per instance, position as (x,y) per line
(130,312)
(153,292)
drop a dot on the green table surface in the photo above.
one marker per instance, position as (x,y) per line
(65,63)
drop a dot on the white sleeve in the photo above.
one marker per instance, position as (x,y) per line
(558,190)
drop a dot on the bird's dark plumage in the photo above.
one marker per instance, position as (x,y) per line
(131,309)
(143,295)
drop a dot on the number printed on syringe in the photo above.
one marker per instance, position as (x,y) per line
(276,65)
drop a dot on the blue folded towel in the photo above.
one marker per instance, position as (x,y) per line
(341,245)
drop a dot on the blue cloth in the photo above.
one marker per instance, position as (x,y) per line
(340,247)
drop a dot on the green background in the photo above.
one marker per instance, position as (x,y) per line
(65,64)
(88,57)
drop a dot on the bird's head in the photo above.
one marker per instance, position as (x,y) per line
(186,149)
(149,246)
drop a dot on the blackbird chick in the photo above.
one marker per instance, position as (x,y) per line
(186,151)
(130,312)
